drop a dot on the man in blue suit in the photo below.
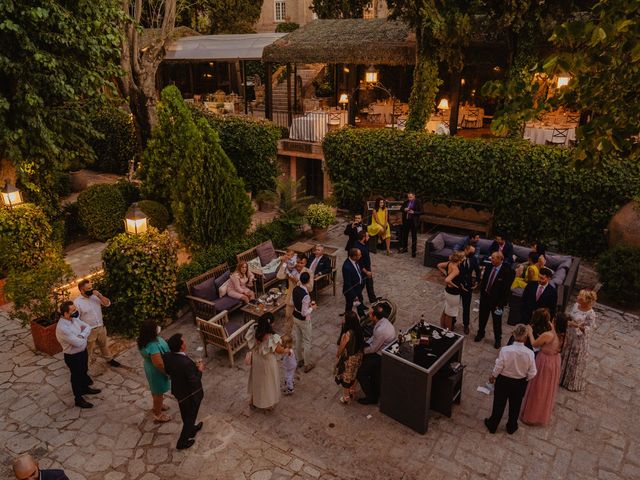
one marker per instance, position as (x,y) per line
(353,279)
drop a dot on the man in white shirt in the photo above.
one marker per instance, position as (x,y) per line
(72,334)
(383,335)
(89,304)
(302,331)
(515,366)
(293,279)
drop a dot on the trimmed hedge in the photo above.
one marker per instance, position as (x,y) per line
(102,208)
(251,144)
(157,213)
(535,191)
(620,275)
(117,144)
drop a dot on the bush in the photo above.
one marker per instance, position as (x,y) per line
(139,278)
(102,209)
(287,27)
(251,144)
(620,275)
(117,143)
(535,191)
(319,215)
(157,213)
(26,238)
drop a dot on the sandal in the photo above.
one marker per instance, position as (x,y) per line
(162,418)
(345,400)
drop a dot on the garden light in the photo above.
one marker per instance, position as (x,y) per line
(135,221)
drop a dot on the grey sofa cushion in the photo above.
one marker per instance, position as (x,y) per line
(438,242)
(221,279)
(521,253)
(554,261)
(559,276)
(485,245)
(227,303)
(444,252)
(451,240)
(207,290)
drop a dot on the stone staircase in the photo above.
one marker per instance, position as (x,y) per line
(307,74)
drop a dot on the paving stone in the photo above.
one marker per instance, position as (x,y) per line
(261,475)
(114,476)
(157,455)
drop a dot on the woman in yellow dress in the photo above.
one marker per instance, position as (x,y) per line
(380,223)
(528,272)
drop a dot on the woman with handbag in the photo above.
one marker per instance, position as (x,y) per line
(264,375)
(350,352)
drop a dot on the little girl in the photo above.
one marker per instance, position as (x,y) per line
(289,363)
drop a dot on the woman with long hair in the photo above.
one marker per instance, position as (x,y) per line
(151,347)
(240,283)
(452,289)
(349,355)
(380,223)
(576,351)
(264,374)
(527,272)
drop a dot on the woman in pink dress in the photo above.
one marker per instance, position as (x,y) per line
(241,282)
(540,398)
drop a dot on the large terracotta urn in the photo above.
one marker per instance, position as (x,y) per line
(624,226)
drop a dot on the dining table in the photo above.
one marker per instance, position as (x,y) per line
(313,126)
(540,133)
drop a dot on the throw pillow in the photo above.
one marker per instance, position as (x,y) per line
(255,266)
(221,279)
(207,290)
(222,290)
(265,252)
(271,267)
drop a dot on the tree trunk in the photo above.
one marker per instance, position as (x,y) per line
(425,87)
(455,101)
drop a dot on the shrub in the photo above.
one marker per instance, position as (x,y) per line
(620,275)
(139,278)
(130,191)
(117,142)
(25,238)
(319,215)
(251,144)
(102,209)
(157,213)
(535,191)
(286,27)
(36,293)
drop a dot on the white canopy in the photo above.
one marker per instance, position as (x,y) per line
(220,47)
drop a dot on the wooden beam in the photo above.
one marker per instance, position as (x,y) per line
(268,93)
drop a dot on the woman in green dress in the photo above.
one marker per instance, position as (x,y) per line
(151,346)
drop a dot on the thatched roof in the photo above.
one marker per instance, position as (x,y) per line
(350,41)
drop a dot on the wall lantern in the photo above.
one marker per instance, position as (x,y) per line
(563,81)
(11,196)
(371,75)
(135,221)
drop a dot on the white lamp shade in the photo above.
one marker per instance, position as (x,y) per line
(135,221)
(563,81)
(444,104)
(11,196)
(344,98)
(371,75)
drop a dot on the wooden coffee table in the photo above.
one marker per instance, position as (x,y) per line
(253,312)
(301,247)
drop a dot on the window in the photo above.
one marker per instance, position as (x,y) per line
(280,10)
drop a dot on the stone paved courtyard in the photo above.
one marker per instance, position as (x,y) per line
(593,434)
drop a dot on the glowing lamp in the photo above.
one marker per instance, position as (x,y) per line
(563,81)
(11,196)
(444,104)
(371,75)
(343,100)
(135,221)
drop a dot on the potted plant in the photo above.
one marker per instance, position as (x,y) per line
(77,179)
(319,216)
(36,295)
(267,200)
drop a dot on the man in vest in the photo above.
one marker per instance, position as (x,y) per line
(302,309)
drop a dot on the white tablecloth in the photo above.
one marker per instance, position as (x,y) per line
(540,134)
(313,126)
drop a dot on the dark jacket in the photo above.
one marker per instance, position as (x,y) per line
(548,299)
(500,291)
(324,264)
(365,259)
(417,211)
(52,474)
(466,274)
(353,234)
(352,283)
(507,251)
(185,376)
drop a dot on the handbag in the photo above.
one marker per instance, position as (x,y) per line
(247,358)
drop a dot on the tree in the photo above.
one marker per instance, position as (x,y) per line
(339,8)
(222,16)
(53,57)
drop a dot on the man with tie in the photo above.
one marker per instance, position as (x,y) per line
(468,267)
(352,278)
(411,210)
(495,289)
(365,264)
(353,229)
(186,386)
(539,295)
(319,263)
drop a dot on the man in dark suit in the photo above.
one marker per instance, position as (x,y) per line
(501,245)
(539,295)
(353,229)
(365,264)
(468,268)
(495,289)
(26,468)
(352,278)
(186,386)
(411,210)
(318,262)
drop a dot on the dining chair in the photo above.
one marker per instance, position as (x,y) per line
(471,117)
(558,137)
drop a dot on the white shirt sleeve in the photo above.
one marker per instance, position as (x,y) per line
(532,371)
(306,308)
(499,366)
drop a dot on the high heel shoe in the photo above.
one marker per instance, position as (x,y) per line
(345,400)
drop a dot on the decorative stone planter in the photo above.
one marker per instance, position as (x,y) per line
(44,338)
(320,234)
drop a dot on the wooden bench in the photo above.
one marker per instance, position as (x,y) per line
(476,217)
(202,307)
(262,282)
(217,332)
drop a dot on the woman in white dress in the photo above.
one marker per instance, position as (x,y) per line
(576,350)
(453,286)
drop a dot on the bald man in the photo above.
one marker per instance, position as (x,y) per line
(26,468)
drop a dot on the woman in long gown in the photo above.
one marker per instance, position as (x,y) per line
(264,374)
(540,398)
(576,351)
(349,355)
(380,223)
(151,347)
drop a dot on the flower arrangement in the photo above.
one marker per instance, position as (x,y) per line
(319,215)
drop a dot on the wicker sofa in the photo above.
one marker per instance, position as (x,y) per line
(440,245)
(266,253)
(203,293)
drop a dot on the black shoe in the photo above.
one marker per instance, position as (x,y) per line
(478,338)
(367,401)
(82,403)
(196,428)
(91,391)
(90,382)
(189,443)
(486,424)
(496,345)
(114,363)
(300,363)
(511,431)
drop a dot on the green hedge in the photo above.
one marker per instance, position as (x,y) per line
(157,213)
(619,272)
(117,143)
(536,193)
(102,208)
(251,144)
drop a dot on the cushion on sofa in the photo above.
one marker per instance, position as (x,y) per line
(437,242)
(485,245)
(266,253)
(451,240)
(227,303)
(222,279)
(232,327)
(207,290)
(522,253)
(554,260)
(559,276)
(444,252)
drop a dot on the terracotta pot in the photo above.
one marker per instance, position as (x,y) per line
(44,338)
(624,227)
(320,233)
(3,299)
(78,181)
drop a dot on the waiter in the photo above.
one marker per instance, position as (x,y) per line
(411,211)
